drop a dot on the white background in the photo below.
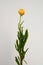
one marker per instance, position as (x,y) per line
(33,21)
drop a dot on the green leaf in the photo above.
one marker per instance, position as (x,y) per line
(17,43)
(16,59)
(15,46)
(20,37)
(25,61)
(25,37)
(22,22)
(26,50)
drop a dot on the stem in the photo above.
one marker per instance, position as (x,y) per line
(21,62)
(20,19)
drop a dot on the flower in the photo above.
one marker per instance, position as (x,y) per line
(21,12)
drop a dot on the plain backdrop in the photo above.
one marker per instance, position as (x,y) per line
(33,21)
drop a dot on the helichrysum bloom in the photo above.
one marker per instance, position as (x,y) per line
(21,12)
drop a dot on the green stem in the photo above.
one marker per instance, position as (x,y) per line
(20,19)
(21,61)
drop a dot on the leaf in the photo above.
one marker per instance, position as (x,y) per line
(16,59)
(26,50)
(25,38)
(22,22)
(15,47)
(26,35)
(25,61)
(20,37)
(17,43)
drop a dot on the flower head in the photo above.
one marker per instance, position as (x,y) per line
(21,12)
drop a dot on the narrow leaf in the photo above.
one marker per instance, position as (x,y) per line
(16,59)
(25,61)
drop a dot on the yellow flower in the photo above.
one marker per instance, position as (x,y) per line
(21,12)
